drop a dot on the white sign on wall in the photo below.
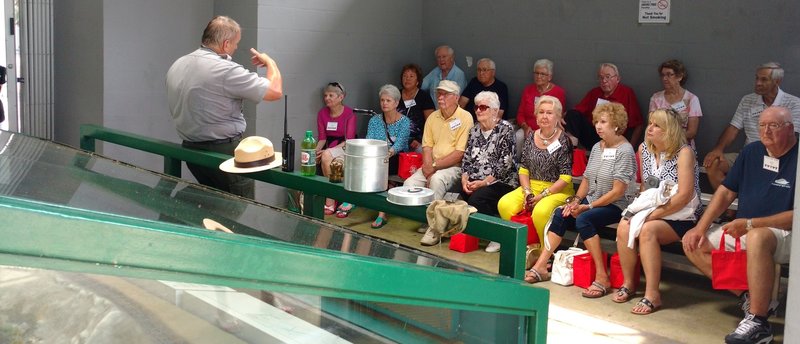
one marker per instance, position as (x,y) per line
(654,11)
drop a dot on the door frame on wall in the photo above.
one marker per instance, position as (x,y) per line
(10,28)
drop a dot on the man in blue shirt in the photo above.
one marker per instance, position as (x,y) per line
(445,69)
(763,178)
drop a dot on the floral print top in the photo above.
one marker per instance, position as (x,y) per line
(492,155)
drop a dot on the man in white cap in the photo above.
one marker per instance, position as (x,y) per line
(205,90)
(444,141)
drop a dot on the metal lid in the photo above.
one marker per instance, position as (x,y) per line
(410,195)
(366,147)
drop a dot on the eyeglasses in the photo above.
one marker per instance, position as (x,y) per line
(772,125)
(482,108)
(668,75)
(605,77)
(540,74)
(337,85)
(484,70)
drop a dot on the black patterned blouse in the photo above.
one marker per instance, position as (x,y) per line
(544,166)
(492,156)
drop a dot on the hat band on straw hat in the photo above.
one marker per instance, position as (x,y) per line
(256,163)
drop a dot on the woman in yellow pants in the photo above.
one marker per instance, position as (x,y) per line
(545,169)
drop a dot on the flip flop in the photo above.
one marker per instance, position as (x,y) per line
(330,209)
(644,302)
(623,295)
(536,277)
(379,222)
(344,210)
(599,291)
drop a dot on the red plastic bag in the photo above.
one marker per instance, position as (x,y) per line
(617,279)
(408,163)
(579,161)
(584,270)
(526,219)
(729,268)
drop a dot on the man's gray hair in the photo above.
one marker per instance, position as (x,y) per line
(544,63)
(220,29)
(489,61)
(449,50)
(489,97)
(777,70)
(610,65)
(391,91)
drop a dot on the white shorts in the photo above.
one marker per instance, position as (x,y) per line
(783,247)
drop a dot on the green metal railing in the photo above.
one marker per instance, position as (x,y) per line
(511,236)
(49,236)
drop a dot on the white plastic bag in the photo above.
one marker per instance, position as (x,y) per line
(562,265)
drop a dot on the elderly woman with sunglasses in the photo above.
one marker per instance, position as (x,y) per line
(545,169)
(665,157)
(336,123)
(488,163)
(601,196)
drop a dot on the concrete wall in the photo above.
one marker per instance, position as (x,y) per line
(78,59)
(720,42)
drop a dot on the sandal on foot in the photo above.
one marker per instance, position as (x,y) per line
(330,209)
(379,222)
(534,276)
(598,291)
(649,307)
(623,295)
(344,210)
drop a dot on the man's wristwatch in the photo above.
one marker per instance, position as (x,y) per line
(749,224)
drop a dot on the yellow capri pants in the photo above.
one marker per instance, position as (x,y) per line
(513,202)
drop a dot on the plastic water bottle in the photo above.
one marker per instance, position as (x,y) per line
(308,155)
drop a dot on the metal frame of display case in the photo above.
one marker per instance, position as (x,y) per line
(512,236)
(43,235)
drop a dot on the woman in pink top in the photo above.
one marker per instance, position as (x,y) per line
(336,124)
(673,76)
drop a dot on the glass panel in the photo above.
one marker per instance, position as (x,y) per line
(44,171)
(61,307)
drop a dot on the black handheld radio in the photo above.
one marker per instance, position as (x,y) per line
(287,145)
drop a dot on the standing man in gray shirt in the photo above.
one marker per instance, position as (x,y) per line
(205,90)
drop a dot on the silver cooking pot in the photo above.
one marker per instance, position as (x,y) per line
(366,165)
(410,195)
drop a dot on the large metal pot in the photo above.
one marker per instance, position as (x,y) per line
(366,165)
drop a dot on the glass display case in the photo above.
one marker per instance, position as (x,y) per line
(122,253)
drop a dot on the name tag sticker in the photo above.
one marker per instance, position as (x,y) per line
(409,103)
(601,101)
(553,147)
(455,124)
(609,154)
(679,106)
(332,126)
(771,164)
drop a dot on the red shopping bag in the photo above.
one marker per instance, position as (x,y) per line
(463,243)
(584,270)
(408,163)
(729,268)
(525,218)
(579,161)
(617,278)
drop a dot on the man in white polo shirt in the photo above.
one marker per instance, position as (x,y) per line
(205,90)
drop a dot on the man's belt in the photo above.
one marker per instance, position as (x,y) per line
(237,137)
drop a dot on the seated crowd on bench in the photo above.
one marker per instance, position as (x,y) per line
(463,133)
(506,168)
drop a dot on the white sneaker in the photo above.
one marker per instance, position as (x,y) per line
(430,238)
(493,247)
(422,229)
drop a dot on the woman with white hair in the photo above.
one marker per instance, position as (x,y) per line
(542,86)
(545,170)
(392,127)
(488,163)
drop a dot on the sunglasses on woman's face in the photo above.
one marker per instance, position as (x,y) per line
(482,108)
